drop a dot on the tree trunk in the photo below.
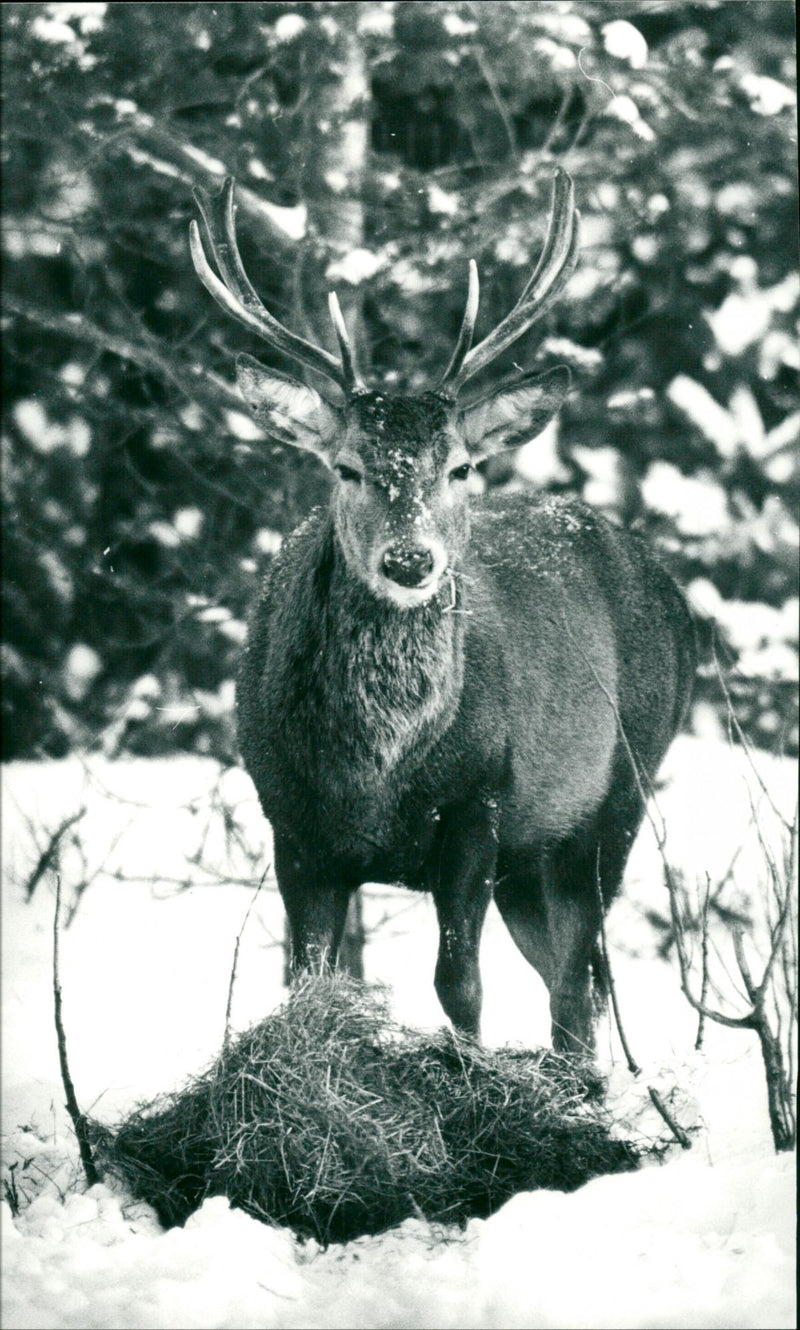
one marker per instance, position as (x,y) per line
(337,139)
(335,145)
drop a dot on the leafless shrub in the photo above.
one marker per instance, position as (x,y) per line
(755,988)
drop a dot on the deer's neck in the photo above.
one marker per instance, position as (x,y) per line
(385,681)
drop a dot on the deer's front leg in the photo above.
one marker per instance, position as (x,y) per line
(463,881)
(316,907)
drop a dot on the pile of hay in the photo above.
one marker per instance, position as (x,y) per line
(332,1119)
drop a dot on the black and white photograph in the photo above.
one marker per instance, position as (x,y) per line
(400,598)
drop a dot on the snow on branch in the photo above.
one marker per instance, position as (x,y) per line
(146,144)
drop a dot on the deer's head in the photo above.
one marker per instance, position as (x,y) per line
(401,463)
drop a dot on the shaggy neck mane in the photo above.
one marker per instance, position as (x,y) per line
(379,683)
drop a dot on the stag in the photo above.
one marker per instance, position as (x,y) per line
(464,696)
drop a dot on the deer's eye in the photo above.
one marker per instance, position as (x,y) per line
(461,472)
(348,473)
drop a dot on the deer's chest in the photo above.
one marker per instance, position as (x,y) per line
(364,719)
(371,828)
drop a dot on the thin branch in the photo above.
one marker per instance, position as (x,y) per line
(680,1135)
(215,879)
(633,1066)
(546,147)
(733,1022)
(227,1035)
(744,967)
(776,939)
(208,389)
(747,1022)
(704,973)
(78,1118)
(50,851)
(494,92)
(733,723)
(149,145)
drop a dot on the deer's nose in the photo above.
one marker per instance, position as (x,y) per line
(408,566)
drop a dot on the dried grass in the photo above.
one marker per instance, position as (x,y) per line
(332,1119)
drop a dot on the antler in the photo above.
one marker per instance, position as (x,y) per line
(238,298)
(552,273)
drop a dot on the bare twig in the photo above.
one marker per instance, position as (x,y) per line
(633,1067)
(701,1020)
(566,98)
(736,730)
(684,961)
(209,390)
(494,92)
(757,1018)
(78,1118)
(50,852)
(227,1035)
(680,1135)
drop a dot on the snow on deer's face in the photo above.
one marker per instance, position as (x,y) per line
(401,501)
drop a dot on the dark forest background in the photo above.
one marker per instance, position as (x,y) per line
(378,147)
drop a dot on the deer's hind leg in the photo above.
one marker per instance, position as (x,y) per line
(554,920)
(548,897)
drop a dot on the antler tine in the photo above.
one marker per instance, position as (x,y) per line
(219,239)
(559,232)
(552,272)
(230,264)
(353,383)
(225,250)
(467,328)
(236,295)
(228,253)
(522,317)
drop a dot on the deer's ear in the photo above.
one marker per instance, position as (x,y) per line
(514,415)
(288,409)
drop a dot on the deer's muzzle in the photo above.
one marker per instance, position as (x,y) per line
(408,567)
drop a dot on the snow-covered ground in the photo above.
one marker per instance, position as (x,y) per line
(704,1239)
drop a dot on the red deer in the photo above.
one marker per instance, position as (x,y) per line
(463,697)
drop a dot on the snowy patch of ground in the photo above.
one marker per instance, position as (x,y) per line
(706,1239)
